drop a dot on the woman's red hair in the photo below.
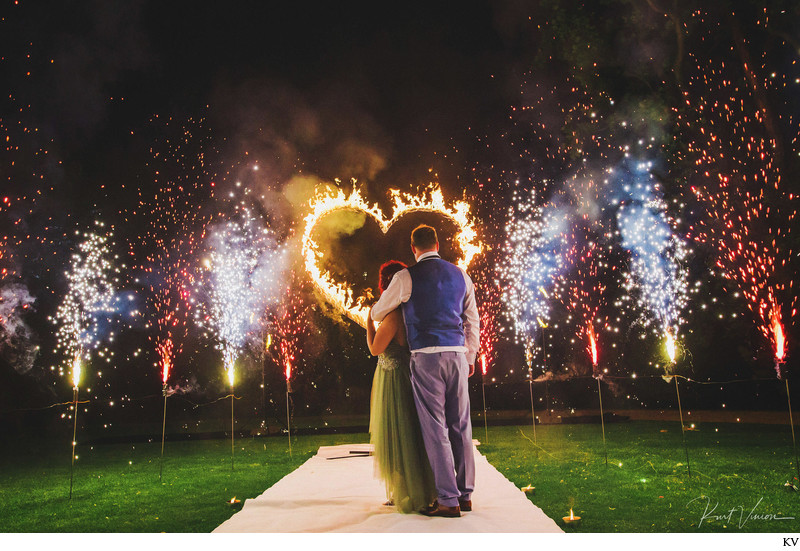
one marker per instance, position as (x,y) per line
(386,272)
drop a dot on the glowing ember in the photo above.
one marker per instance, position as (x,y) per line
(341,294)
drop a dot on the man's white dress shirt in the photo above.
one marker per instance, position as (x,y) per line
(399,291)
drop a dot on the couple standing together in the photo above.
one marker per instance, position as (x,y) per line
(427,344)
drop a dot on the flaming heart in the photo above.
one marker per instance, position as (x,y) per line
(341,294)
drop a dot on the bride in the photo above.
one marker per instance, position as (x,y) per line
(395,434)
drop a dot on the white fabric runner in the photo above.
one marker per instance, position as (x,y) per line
(342,495)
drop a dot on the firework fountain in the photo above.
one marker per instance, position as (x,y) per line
(245,266)
(488,295)
(584,296)
(656,274)
(290,324)
(178,213)
(172,277)
(740,154)
(90,293)
(535,246)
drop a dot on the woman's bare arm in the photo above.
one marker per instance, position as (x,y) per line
(378,339)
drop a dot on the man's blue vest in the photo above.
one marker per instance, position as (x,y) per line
(433,312)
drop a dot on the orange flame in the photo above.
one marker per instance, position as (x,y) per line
(484,367)
(164,349)
(341,294)
(571,515)
(288,370)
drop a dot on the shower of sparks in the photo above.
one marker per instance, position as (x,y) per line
(534,256)
(487,294)
(90,293)
(582,289)
(290,324)
(341,294)
(178,214)
(245,264)
(736,140)
(656,274)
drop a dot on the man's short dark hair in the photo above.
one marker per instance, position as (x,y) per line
(424,237)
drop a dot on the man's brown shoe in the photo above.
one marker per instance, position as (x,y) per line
(465,504)
(442,511)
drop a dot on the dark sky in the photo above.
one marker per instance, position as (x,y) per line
(324,85)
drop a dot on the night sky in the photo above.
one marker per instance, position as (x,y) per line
(110,108)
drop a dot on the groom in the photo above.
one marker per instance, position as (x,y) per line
(442,325)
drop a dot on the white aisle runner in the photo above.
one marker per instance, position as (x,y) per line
(336,491)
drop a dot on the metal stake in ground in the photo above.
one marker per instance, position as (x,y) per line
(163,432)
(483,391)
(74,433)
(529,355)
(232,425)
(485,422)
(683,430)
(598,376)
(288,415)
(780,368)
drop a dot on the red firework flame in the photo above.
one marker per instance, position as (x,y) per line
(592,349)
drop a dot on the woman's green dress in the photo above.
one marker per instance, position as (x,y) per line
(400,458)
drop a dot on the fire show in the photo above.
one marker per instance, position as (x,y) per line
(309,268)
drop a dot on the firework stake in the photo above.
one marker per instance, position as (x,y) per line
(529,356)
(485,422)
(288,417)
(780,368)
(598,376)
(74,434)
(683,429)
(232,426)
(163,432)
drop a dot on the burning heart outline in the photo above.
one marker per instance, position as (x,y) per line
(340,295)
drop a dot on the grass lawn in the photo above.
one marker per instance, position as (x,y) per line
(116,487)
(644,488)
